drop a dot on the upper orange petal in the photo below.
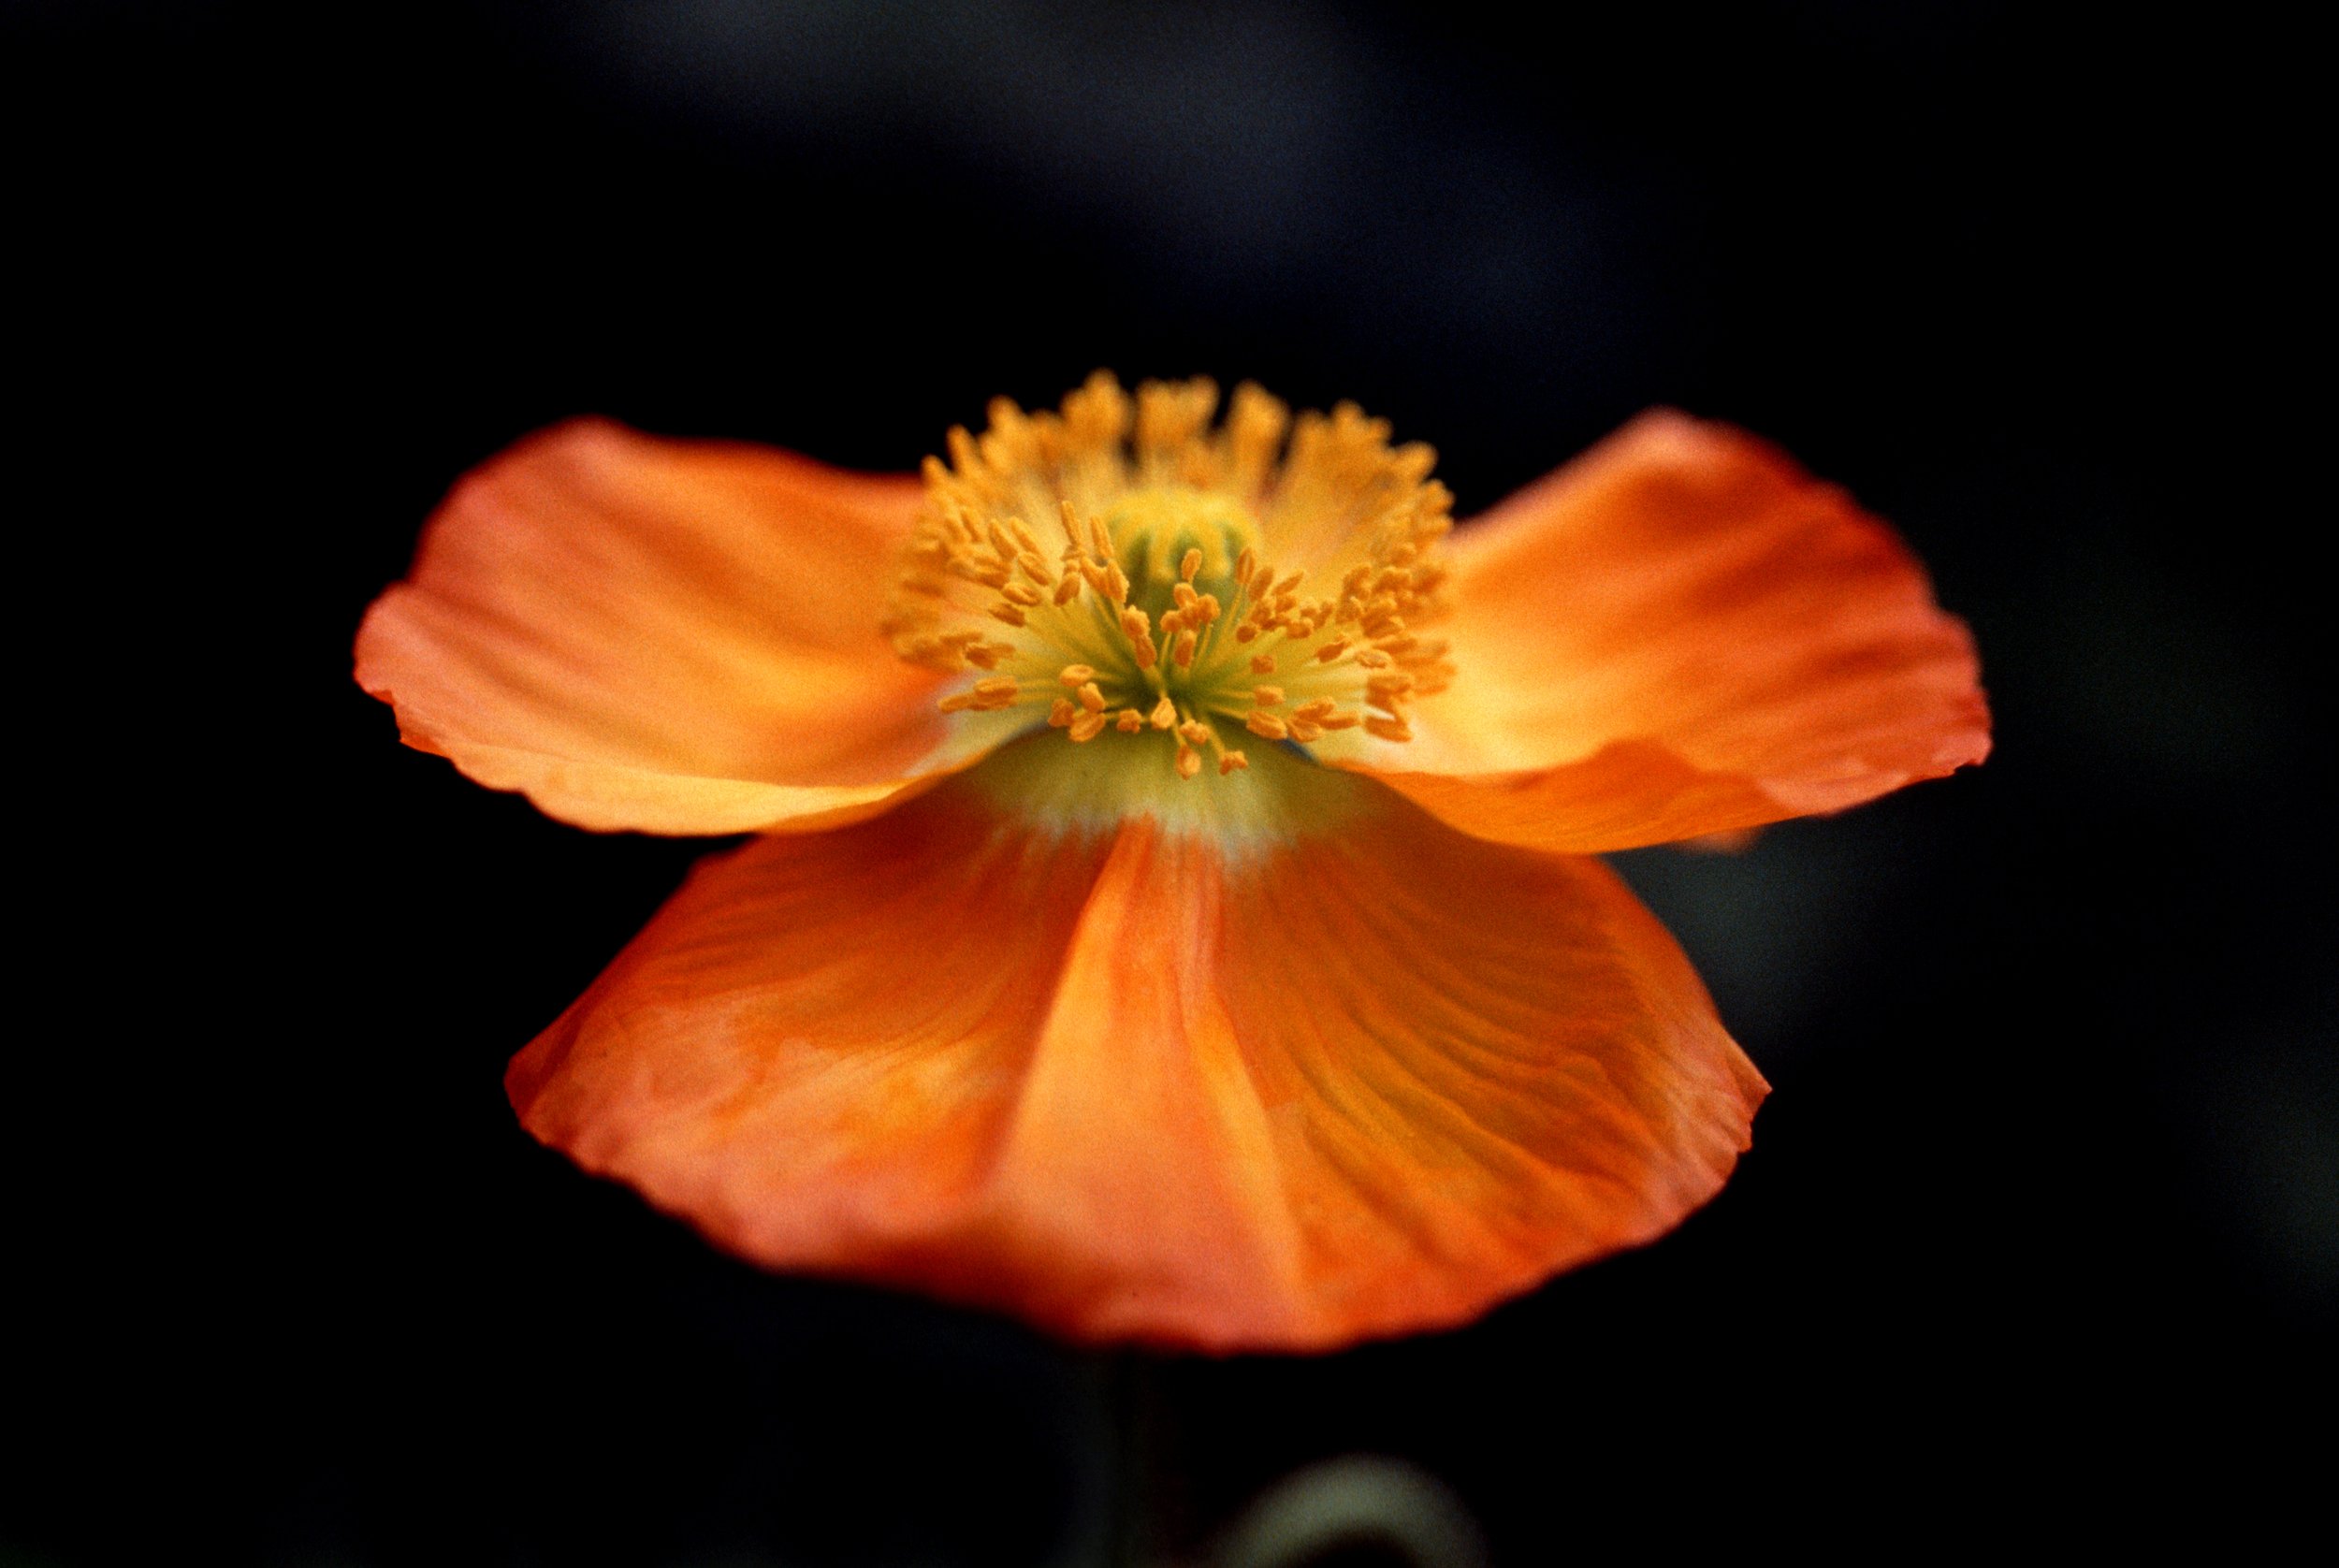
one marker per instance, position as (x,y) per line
(673,636)
(1134,1086)
(1683,633)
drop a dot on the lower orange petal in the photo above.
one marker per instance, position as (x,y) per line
(1135,1085)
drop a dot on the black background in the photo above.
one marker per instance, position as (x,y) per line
(2041,1235)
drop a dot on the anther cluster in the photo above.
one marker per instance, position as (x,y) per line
(1125,567)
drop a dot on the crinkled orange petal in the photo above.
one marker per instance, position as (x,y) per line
(1133,1086)
(1682,634)
(672,637)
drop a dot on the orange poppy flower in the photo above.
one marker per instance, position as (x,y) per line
(1172,918)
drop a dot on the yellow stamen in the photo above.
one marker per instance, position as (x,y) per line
(1171,521)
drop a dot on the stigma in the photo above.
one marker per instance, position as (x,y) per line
(1133,575)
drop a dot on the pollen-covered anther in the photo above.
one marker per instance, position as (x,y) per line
(1137,627)
(987,656)
(1126,565)
(997,691)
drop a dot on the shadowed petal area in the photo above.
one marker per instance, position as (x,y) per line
(1135,1085)
(814,1051)
(1682,634)
(672,637)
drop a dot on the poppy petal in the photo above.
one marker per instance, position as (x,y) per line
(1149,1085)
(1682,634)
(671,636)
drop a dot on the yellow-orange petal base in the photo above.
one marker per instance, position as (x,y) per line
(1242,1089)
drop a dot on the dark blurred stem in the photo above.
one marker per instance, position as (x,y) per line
(1133,1402)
